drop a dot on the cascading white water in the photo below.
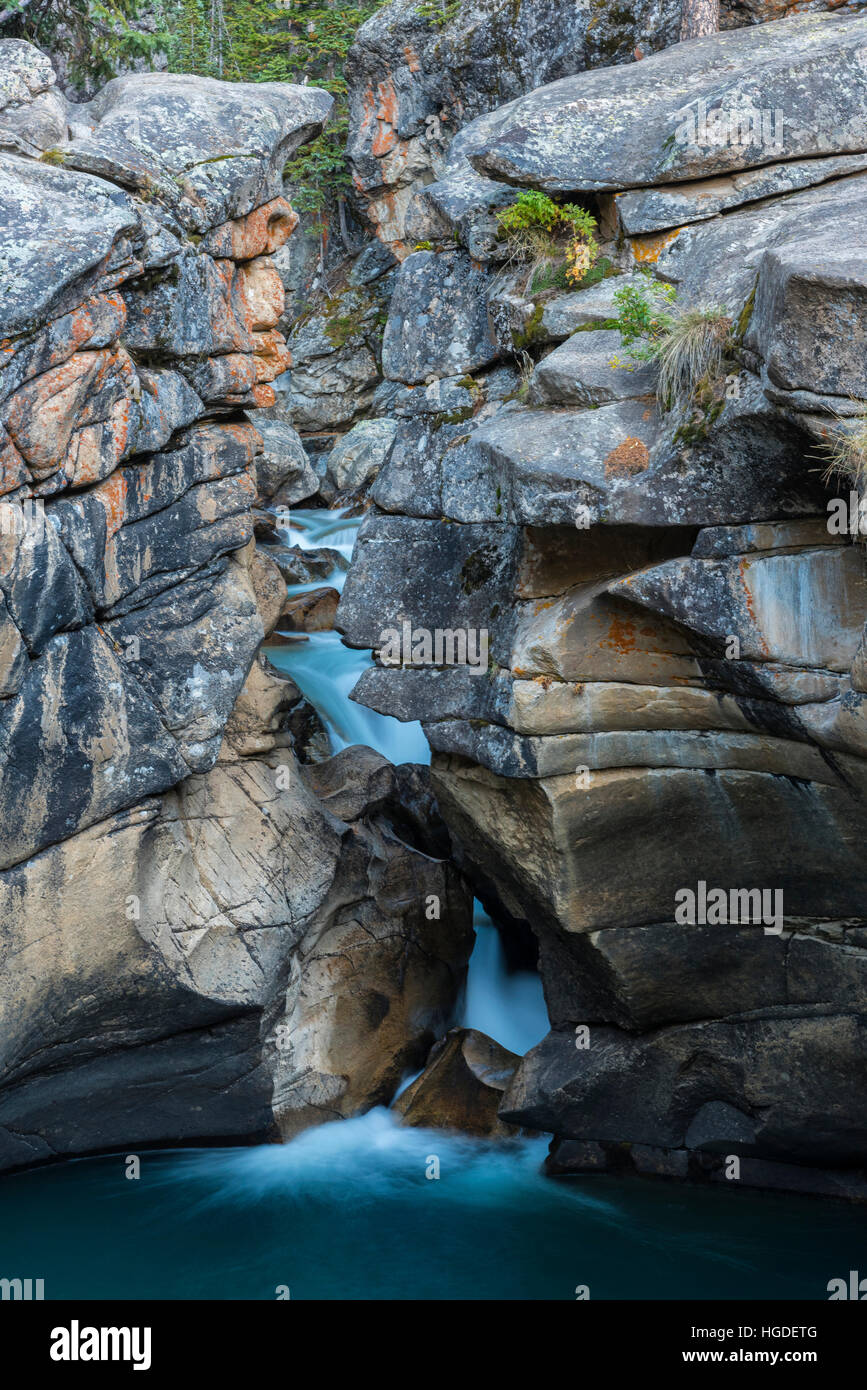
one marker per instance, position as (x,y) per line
(324,669)
(348,1211)
(507,1005)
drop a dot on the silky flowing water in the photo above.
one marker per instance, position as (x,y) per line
(367,1209)
(347,1212)
(324,669)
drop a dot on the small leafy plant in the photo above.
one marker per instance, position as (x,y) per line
(644,318)
(555,239)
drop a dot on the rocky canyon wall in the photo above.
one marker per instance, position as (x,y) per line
(197,942)
(675,691)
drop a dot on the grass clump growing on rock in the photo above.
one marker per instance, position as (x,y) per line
(846,450)
(689,345)
(555,239)
(690,352)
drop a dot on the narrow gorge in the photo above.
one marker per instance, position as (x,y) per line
(433,653)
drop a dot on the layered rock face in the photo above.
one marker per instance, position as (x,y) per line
(419,73)
(673,694)
(195,944)
(427,85)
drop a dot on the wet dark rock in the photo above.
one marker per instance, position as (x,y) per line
(299,566)
(312,611)
(461,1087)
(685,1072)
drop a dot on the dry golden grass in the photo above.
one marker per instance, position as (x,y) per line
(693,349)
(846,450)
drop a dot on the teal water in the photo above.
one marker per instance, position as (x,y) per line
(324,669)
(346,1212)
(508,1005)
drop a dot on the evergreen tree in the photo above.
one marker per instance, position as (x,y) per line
(97,37)
(265,41)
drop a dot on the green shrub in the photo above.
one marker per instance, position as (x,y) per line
(600,271)
(644,317)
(555,239)
(319,170)
(554,275)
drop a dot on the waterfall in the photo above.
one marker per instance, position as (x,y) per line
(324,669)
(506,1004)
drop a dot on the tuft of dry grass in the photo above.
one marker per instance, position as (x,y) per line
(692,349)
(846,450)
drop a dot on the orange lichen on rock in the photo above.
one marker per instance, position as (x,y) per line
(385,138)
(13,469)
(646,250)
(261,232)
(112,496)
(263,294)
(621,635)
(743,571)
(244,434)
(96,450)
(272,356)
(43,414)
